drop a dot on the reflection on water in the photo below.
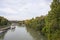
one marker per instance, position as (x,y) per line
(21,33)
(35,34)
(12,30)
(2,35)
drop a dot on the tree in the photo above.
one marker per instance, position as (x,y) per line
(3,21)
(53,19)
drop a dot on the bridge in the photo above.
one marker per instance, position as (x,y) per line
(19,22)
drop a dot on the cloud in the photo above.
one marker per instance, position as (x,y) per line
(8,10)
(23,9)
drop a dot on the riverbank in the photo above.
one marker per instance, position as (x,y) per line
(4,29)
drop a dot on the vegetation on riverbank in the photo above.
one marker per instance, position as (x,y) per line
(3,22)
(49,25)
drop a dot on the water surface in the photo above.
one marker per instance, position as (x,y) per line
(21,33)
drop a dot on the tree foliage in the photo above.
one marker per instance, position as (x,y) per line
(49,24)
(3,21)
(38,23)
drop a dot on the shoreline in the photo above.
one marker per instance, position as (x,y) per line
(2,30)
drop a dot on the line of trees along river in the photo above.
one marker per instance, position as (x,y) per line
(3,22)
(48,25)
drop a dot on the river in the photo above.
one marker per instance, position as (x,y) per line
(21,33)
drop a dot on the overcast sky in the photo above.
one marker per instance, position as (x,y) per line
(23,9)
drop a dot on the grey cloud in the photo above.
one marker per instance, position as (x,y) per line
(24,8)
